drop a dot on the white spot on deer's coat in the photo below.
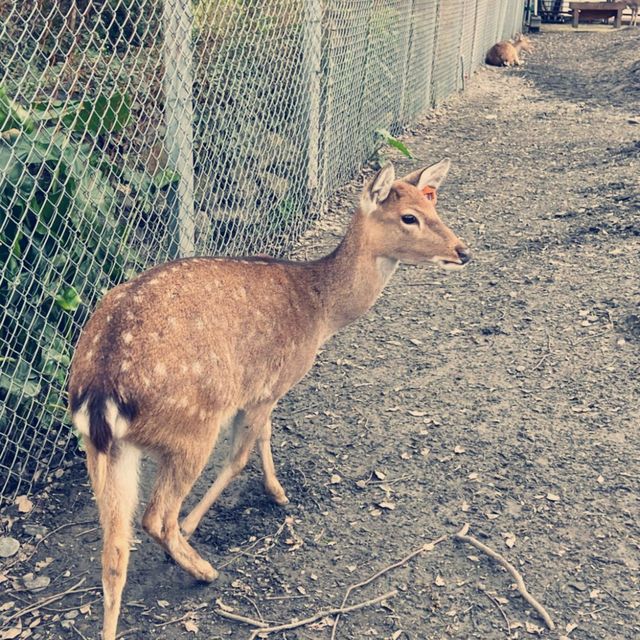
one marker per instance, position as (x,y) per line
(183,403)
(97,337)
(196,367)
(160,369)
(88,355)
(125,366)
(80,419)
(127,337)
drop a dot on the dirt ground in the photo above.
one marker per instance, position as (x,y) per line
(505,396)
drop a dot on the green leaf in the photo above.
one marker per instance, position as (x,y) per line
(165,177)
(16,379)
(13,115)
(68,299)
(105,114)
(387,138)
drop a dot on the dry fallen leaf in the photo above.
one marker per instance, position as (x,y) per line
(24,504)
(163,603)
(459,449)
(465,506)
(509,539)
(553,497)
(335,479)
(533,628)
(418,414)
(570,627)
(405,455)
(439,581)
(380,475)
(191,626)
(387,505)
(9,634)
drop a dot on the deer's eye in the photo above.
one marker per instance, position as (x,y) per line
(409,219)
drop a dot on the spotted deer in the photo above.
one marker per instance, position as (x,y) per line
(507,54)
(190,346)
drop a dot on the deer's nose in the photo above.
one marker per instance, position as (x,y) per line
(464,254)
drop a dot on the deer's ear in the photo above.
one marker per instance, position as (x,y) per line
(377,190)
(432,176)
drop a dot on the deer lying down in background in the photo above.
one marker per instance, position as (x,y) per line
(507,54)
(187,347)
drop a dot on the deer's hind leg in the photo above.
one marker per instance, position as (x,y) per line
(178,470)
(271,483)
(246,429)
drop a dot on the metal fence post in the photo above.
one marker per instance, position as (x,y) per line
(178,114)
(313,69)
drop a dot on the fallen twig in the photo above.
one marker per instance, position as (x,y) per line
(48,600)
(243,550)
(428,546)
(462,535)
(322,614)
(263,628)
(501,610)
(19,560)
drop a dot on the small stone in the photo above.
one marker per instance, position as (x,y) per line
(35,529)
(36,583)
(8,547)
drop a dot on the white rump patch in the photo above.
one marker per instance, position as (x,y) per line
(80,419)
(119,425)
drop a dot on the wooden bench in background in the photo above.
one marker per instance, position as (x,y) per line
(597,11)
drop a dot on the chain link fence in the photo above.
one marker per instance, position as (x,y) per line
(137,131)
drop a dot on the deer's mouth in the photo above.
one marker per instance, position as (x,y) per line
(450,265)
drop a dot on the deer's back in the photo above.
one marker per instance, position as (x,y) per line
(502,53)
(200,336)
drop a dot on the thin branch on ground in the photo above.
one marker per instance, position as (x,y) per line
(48,535)
(323,614)
(243,550)
(501,610)
(166,623)
(73,626)
(263,629)
(462,536)
(48,600)
(428,546)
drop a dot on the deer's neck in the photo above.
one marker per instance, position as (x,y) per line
(353,276)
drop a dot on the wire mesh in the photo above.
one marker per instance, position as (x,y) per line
(137,131)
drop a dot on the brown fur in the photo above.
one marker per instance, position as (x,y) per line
(507,54)
(170,357)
